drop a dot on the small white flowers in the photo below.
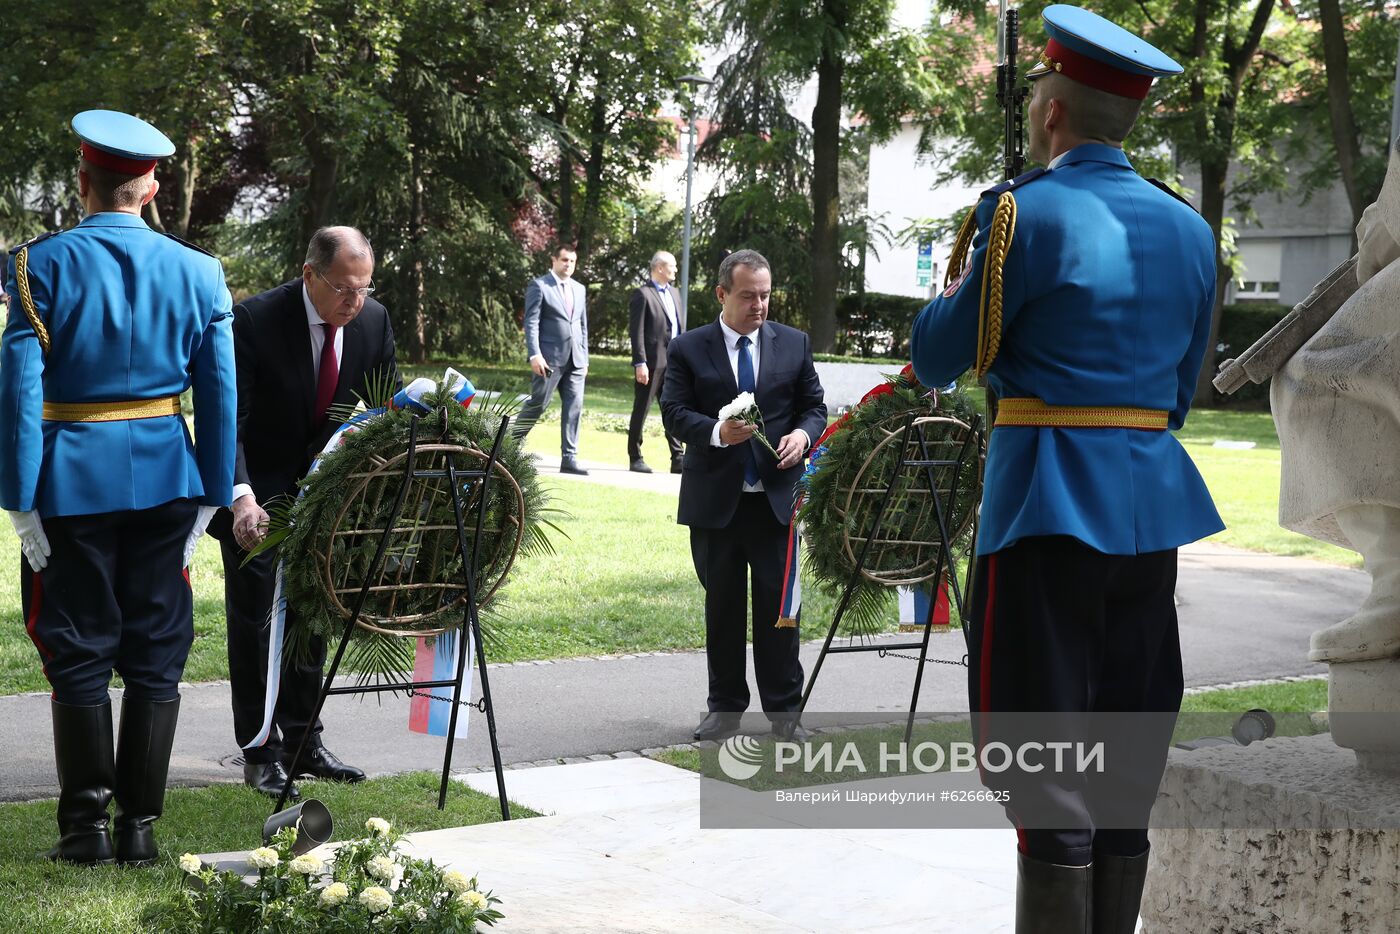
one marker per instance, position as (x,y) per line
(474,898)
(376,899)
(191,864)
(264,857)
(377,826)
(334,894)
(306,865)
(381,867)
(456,881)
(739,407)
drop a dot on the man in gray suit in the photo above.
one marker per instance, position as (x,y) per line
(556,340)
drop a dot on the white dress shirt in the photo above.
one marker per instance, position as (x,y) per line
(318,342)
(731,346)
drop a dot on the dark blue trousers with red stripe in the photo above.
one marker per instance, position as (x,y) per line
(114,597)
(1060,627)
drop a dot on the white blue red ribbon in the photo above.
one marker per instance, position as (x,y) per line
(436,659)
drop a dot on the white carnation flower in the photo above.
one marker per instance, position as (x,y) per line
(191,864)
(264,857)
(306,864)
(377,826)
(741,404)
(456,881)
(376,899)
(381,867)
(334,894)
(474,898)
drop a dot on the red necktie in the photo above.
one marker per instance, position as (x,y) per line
(329,374)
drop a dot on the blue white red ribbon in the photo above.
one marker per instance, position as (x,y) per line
(436,659)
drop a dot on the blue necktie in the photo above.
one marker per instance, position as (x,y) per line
(747,384)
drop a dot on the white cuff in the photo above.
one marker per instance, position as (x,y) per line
(808,446)
(241,490)
(714,437)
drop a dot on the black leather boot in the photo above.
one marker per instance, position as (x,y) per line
(82,745)
(1053,899)
(1118,882)
(143,760)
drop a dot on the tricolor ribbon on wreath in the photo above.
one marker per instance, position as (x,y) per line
(791,603)
(411,396)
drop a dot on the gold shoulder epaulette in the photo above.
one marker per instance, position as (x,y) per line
(26,298)
(999,238)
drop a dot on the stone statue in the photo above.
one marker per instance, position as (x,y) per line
(1335,363)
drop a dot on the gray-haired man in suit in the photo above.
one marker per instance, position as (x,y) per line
(556,340)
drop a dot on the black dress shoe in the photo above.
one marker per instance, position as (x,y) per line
(320,762)
(569,465)
(639,466)
(268,778)
(718,725)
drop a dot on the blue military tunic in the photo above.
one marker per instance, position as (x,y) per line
(1109,288)
(131,314)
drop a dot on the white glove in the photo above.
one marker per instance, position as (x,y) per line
(201,522)
(32,540)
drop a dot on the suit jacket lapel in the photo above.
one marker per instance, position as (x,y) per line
(351,362)
(719,356)
(767,362)
(299,347)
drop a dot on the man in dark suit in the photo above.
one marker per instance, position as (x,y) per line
(300,348)
(736,498)
(656,318)
(556,341)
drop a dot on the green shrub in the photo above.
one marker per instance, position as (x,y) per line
(1241,325)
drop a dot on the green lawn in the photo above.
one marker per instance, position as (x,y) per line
(41,897)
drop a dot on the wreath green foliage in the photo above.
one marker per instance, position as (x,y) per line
(337,497)
(829,526)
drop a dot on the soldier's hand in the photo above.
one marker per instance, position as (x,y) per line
(732,431)
(32,540)
(249,522)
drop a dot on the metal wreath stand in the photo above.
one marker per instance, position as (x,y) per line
(932,477)
(445,455)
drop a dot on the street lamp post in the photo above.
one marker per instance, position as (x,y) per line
(691,84)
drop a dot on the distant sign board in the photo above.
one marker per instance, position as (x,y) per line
(923,267)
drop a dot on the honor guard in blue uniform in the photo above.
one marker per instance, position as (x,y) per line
(1083,293)
(109,323)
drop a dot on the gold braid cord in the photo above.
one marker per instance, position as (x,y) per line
(998,248)
(26,300)
(961,246)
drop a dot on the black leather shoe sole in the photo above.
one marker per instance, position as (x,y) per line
(640,468)
(712,728)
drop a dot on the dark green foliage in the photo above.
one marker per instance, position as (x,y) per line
(1240,326)
(874,324)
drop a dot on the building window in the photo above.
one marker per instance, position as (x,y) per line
(1259,264)
(1253,290)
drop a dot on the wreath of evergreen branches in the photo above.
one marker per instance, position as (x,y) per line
(840,461)
(304,527)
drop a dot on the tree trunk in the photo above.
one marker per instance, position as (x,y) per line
(319,206)
(593,168)
(185,175)
(416,311)
(826,200)
(1339,111)
(566,199)
(1216,123)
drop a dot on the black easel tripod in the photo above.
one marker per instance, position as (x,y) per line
(924,468)
(470,618)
